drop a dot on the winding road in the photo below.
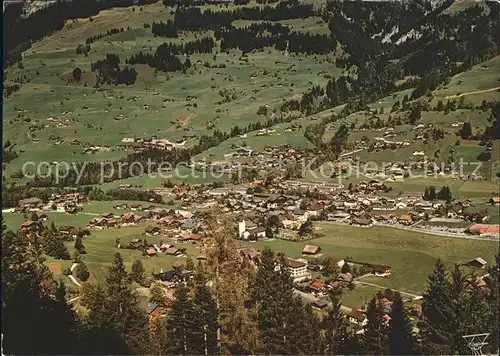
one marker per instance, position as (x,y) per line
(73,279)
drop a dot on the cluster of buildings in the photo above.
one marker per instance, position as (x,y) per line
(272,157)
(284,205)
(69,203)
(141,144)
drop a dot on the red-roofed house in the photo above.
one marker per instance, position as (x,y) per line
(128,217)
(485,229)
(166,221)
(317,286)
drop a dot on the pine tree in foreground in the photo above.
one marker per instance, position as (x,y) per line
(375,337)
(437,314)
(272,293)
(206,318)
(402,340)
(180,323)
(303,335)
(30,303)
(231,279)
(493,305)
(157,336)
(461,309)
(115,322)
(335,326)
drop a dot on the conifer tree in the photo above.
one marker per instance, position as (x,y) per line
(402,340)
(189,264)
(493,305)
(121,309)
(34,216)
(437,313)
(330,269)
(158,337)
(335,326)
(180,323)
(231,278)
(460,309)
(28,294)
(206,317)
(272,292)
(302,336)
(156,294)
(138,273)
(82,272)
(375,337)
(79,245)
(54,247)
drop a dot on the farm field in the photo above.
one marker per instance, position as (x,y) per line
(411,255)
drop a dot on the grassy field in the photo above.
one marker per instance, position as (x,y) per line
(360,296)
(177,104)
(100,247)
(480,77)
(411,255)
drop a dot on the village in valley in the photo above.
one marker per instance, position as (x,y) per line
(250,177)
(263,211)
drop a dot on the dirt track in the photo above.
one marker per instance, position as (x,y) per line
(187,120)
(472,93)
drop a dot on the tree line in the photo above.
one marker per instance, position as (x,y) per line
(125,194)
(192,18)
(256,36)
(113,31)
(109,71)
(227,306)
(10,89)
(164,29)
(444,193)
(20,31)
(165,57)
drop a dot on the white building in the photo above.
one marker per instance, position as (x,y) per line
(298,270)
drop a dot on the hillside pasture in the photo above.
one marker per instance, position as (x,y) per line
(223,89)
